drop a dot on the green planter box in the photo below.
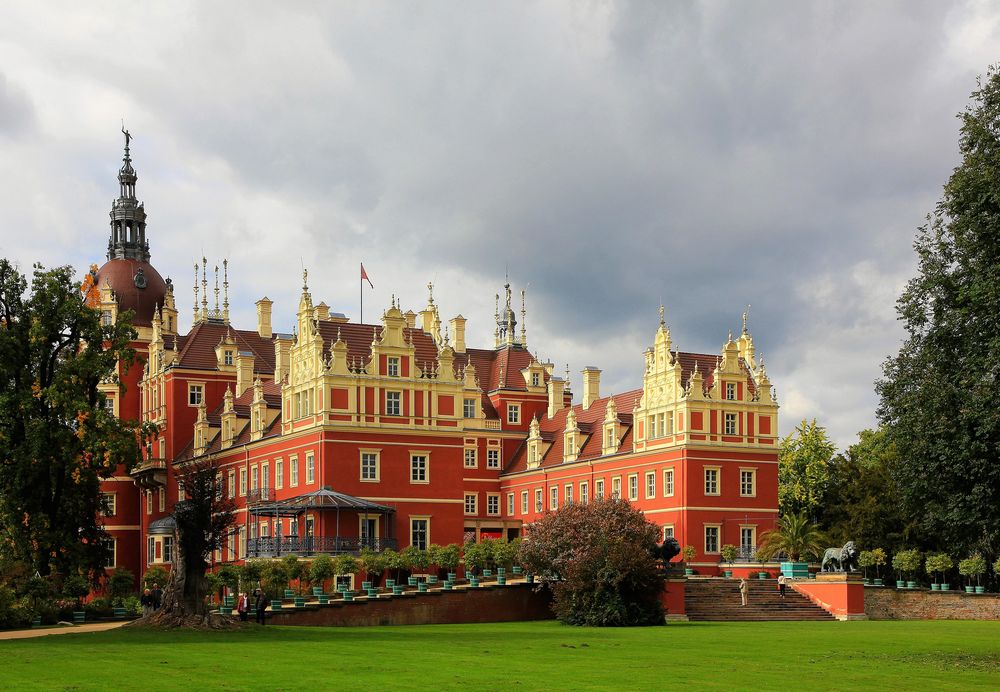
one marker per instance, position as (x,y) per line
(452,577)
(688,572)
(878,582)
(225,610)
(980,589)
(762,575)
(946,587)
(900,584)
(970,589)
(530,578)
(348,596)
(412,581)
(372,593)
(432,579)
(119,612)
(795,570)
(365,585)
(397,590)
(516,569)
(935,587)
(422,586)
(275,604)
(727,573)
(390,583)
(501,579)
(229,601)
(300,601)
(317,591)
(79,616)
(323,599)
(487,573)
(911,584)
(473,583)
(289,593)
(36,621)
(446,586)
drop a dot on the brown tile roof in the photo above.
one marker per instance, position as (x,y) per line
(197,348)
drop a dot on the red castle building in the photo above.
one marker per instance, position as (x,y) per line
(344,435)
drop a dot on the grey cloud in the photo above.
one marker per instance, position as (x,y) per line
(17,114)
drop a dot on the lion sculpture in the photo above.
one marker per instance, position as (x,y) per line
(670,549)
(841,559)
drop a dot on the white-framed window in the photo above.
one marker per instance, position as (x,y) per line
(554,497)
(510,504)
(420,532)
(748,539)
(633,486)
(584,492)
(254,478)
(195,394)
(668,531)
(243,482)
(419,469)
(150,550)
(392,403)
(650,485)
(711,481)
(369,465)
(231,483)
(111,556)
(227,357)
(730,391)
(599,488)
(538,500)
(293,471)
(712,539)
(265,476)
(471,503)
(668,482)
(243,542)
(493,504)
(514,414)
(568,493)
(469,408)
(492,458)
(168,549)
(279,473)
(109,506)
(616,487)
(392,366)
(730,427)
(748,482)
(471,458)
(310,468)
(162,499)
(524,502)
(149,502)
(535,379)
(106,318)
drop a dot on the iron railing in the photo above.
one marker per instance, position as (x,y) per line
(310,545)
(260,495)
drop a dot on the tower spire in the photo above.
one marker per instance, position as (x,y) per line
(128,217)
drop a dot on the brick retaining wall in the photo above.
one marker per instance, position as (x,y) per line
(491,604)
(896,604)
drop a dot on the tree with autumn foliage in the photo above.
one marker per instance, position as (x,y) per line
(57,438)
(600,560)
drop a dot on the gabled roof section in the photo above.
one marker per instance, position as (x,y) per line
(197,347)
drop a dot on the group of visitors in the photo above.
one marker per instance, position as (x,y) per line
(259,605)
(151,600)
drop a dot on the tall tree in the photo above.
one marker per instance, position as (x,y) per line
(804,469)
(938,394)
(204,521)
(57,439)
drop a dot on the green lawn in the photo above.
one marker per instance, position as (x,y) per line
(530,655)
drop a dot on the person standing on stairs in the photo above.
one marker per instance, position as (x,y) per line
(744,590)
(781,584)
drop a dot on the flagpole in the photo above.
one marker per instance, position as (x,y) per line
(361,288)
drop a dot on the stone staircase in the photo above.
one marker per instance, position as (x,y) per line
(719,600)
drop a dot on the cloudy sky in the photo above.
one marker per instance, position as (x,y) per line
(611,155)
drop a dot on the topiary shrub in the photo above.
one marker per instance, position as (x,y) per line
(598,559)
(154,575)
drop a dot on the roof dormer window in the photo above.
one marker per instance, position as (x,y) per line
(227,357)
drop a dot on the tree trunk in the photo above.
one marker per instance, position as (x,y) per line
(184,602)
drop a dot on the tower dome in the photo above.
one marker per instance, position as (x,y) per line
(136,283)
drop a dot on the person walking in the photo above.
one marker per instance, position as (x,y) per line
(242,606)
(781,584)
(146,601)
(744,590)
(260,605)
(157,595)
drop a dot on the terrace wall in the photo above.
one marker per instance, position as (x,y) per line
(894,604)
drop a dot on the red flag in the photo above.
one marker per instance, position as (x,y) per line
(364,275)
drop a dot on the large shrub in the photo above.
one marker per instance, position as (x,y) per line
(598,559)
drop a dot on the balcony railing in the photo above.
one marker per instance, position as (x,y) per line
(260,495)
(151,472)
(311,545)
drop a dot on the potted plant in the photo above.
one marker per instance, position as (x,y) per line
(878,562)
(321,571)
(348,565)
(729,554)
(448,558)
(795,536)
(374,564)
(253,572)
(971,567)
(866,559)
(410,557)
(688,552)
(907,564)
(76,587)
(487,544)
(119,588)
(229,577)
(475,558)
(504,555)
(996,572)
(939,564)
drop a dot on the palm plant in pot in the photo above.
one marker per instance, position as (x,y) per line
(971,567)
(795,536)
(729,554)
(938,565)
(320,571)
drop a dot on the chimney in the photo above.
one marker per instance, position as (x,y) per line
(458,333)
(282,358)
(591,385)
(556,402)
(264,317)
(244,372)
(411,319)
(321,312)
